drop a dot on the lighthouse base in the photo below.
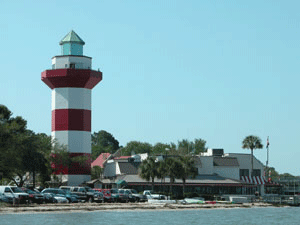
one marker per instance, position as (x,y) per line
(70,180)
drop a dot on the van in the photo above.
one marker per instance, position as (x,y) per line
(14,193)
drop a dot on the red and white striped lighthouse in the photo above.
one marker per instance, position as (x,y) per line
(71,80)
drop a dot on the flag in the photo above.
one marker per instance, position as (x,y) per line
(268,143)
(269,179)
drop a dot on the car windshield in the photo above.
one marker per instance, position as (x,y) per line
(134,191)
(55,191)
(16,190)
(30,191)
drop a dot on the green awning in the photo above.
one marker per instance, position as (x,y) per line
(121,183)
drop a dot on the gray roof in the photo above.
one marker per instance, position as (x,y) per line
(128,168)
(199,180)
(225,161)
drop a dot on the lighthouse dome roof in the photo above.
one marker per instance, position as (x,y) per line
(72,37)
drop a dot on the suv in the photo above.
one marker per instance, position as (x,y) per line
(16,193)
(84,193)
(136,196)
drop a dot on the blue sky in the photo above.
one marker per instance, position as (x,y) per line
(216,70)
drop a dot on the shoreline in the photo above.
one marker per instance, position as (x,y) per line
(89,207)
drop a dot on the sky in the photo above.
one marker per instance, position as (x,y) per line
(172,70)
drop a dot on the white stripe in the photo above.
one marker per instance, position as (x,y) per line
(71,98)
(75,141)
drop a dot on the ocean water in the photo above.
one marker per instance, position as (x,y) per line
(285,215)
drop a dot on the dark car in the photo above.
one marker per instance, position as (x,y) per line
(84,193)
(137,197)
(34,196)
(49,197)
(56,191)
(119,195)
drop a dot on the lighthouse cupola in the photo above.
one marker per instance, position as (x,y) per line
(71,44)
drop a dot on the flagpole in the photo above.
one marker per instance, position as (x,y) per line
(267,152)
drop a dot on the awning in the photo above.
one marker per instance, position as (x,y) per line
(253,180)
(121,183)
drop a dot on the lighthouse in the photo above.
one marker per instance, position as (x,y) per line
(72,80)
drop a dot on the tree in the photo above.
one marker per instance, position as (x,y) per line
(252,142)
(173,167)
(136,147)
(187,170)
(162,170)
(199,146)
(159,148)
(96,172)
(185,147)
(148,170)
(103,141)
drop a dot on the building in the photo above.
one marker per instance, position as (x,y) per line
(218,174)
(71,80)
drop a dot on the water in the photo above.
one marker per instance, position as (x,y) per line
(286,215)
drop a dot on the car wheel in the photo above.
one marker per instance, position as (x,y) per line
(137,200)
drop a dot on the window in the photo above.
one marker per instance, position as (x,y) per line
(7,190)
(256,173)
(72,65)
(244,172)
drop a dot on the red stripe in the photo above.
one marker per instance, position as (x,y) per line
(71,119)
(75,168)
(80,78)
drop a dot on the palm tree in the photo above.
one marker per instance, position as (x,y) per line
(187,169)
(252,142)
(148,170)
(173,167)
(161,170)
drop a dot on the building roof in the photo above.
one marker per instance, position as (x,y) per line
(100,160)
(72,37)
(225,161)
(213,179)
(128,168)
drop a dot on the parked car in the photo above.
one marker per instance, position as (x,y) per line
(137,197)
(119,196)
(49,197)
(34,196)
(151,195)
(14,192)
(84,193)
(6,199)
(59,192)
(107,197)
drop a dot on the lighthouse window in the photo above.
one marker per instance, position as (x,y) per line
(72,65)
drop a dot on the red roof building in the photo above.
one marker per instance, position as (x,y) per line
(101,160)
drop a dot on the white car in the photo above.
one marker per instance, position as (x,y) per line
(14,192)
